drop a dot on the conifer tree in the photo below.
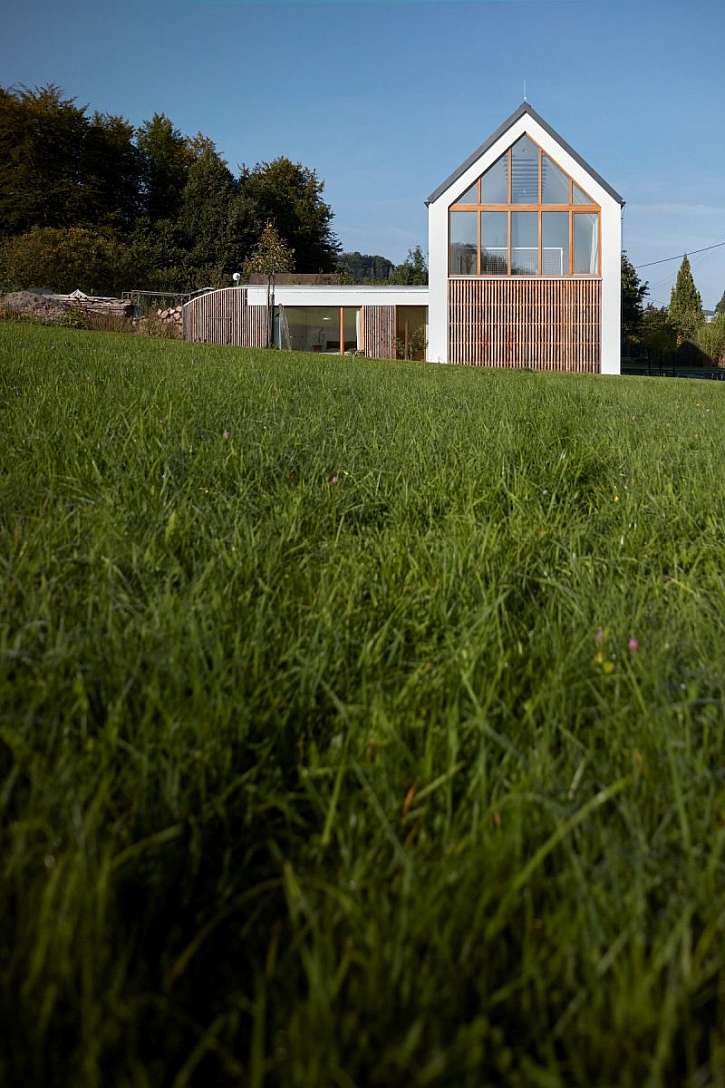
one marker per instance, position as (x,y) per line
(634,292)
(685,310)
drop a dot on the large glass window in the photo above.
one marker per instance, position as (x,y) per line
(554,183)
(350,328)
(411,331)
(495,243)
(555,243)
(524,172)
(318,328)
(586,243)
(518,232)
(524,243)
(495,183)
(463,244)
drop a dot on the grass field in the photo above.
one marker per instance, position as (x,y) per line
(361,723)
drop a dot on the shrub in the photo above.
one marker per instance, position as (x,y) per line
(73,318)
(97,262)
(711,339)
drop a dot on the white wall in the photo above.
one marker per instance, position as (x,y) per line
(296,295)
(611,242)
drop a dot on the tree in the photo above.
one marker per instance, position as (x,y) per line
(289,195)
(42,136)
(634,292)
(711,338)
(271,255)
(720,308)
(413,272)
(206,222)
(685,310)
(111,168)
(657,334)
(365,268)
(165,159)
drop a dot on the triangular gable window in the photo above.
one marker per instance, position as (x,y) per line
(525,175)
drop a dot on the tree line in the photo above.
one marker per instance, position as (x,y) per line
(678,333)
(88,200)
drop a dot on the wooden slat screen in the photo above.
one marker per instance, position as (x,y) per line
(379,331)
(545,324)
(224,317)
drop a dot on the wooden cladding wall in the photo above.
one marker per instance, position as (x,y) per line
(224,317)
(539,323)
(379,332)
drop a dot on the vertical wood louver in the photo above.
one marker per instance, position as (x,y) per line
(544,324)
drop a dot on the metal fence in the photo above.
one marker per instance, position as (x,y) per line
(652,366)
(146,301)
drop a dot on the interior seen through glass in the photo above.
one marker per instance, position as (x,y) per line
(523,244)
(555,243)
(524,172)
(317,328)
(586,243)
(509,240)
(463,243)
(494,242)
(495,183)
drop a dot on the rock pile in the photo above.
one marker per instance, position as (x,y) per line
(172,314)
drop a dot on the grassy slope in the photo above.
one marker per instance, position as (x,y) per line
(313,771)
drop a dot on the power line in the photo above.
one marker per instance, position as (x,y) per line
(679,256)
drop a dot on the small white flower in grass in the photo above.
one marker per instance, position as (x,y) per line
(227,434)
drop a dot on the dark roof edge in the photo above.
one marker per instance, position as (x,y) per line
(523,109)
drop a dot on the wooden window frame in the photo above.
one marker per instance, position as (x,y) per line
(540,208)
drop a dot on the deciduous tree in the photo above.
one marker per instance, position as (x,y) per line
(413,272)
(271,255)
(289,195)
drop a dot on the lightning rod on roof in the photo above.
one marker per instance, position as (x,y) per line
(525,98)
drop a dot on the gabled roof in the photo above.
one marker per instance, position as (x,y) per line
(523,109)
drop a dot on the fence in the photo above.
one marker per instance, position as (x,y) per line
(145,301)
(659,366)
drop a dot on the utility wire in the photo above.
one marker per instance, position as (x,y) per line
(679,256)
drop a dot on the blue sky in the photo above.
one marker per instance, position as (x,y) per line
(385,98)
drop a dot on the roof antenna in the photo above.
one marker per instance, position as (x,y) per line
(525,98)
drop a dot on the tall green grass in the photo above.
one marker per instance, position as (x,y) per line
(327,758)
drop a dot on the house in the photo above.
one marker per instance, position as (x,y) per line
(524,271)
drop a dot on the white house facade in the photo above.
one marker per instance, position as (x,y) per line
(524,271)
